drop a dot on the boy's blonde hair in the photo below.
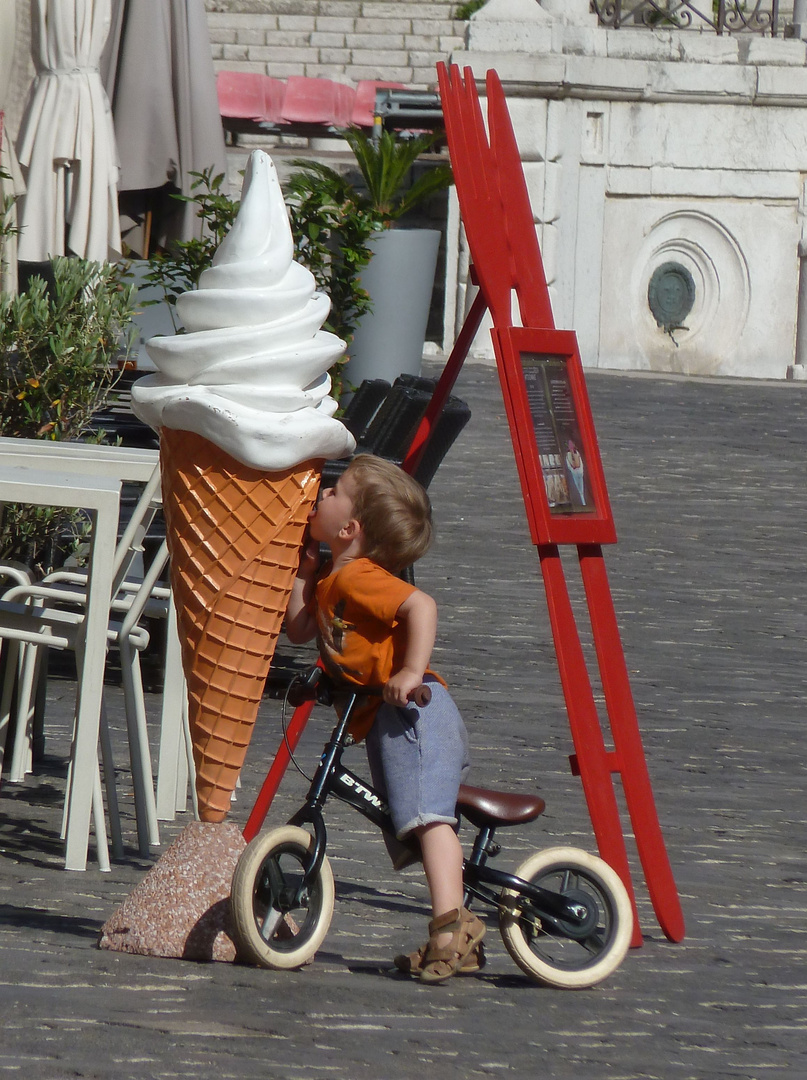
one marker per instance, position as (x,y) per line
(393,510)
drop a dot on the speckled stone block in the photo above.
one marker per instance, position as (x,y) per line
(181,908)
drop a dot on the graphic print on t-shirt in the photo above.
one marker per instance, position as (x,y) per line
(332,643)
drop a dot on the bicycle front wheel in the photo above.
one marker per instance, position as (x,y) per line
(545,952)
(276,924)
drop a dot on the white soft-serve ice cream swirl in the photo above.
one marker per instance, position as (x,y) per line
(251,373)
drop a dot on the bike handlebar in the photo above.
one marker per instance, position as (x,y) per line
(421,695)
(318,685)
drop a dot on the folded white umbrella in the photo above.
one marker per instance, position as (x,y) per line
(66,143)
(12,183)
(160,77)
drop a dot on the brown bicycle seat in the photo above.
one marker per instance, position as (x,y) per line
(482,807)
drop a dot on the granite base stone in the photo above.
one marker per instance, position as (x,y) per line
(181,909)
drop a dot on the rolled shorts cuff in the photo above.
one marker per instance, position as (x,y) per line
(421,820)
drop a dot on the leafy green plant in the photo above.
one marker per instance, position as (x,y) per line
(331,228)
(386,165)
(333,220)
(61,348)
(59,354)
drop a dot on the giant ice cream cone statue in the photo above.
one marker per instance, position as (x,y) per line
(242,405)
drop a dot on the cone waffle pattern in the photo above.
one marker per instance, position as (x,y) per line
(234,534)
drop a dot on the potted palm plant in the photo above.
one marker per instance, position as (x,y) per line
(394,264)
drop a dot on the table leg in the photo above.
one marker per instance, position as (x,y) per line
(93,660)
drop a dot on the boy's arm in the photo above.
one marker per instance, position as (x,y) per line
(301,623)
(419,614)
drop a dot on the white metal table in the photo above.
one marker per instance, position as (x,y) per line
(100,495)
(132,463)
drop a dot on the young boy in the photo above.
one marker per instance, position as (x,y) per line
(373,629)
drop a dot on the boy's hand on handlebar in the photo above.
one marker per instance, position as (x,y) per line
(403,687)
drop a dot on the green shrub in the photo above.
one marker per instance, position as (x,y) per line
(61,348)
(331,228)
(59,354)
(333,220)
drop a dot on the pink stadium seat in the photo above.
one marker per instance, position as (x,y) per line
(317,101)
(274,90)
(364,108)
(344,104)
(240,94)
(249,95)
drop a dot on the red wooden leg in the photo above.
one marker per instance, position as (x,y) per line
(279,765)
(628,745)
(594,762)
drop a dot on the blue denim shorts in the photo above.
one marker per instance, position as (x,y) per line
(418,759)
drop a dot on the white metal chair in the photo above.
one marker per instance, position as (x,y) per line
(37,623)
(176,770)
(118,462)
(175,774)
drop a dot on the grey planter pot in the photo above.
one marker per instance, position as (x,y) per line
(399,278)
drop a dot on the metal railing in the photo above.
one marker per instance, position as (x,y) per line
(723,16)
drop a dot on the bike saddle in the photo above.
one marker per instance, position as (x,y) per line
(482,807)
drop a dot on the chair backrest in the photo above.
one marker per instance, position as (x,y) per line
(363,406)
(13,573)
(240,94)
(130,544)
(394,425)
(143,595)
(274,90)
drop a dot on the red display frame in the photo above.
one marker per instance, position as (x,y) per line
(548,410)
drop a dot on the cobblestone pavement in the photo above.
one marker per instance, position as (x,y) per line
(707,482)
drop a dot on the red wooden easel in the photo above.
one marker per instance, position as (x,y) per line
(507,264)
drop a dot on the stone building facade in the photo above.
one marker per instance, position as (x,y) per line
(667,168)
(348,40)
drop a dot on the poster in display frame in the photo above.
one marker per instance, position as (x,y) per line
(553,434)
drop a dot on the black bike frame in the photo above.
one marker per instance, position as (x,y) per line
(333,778)
(568,916)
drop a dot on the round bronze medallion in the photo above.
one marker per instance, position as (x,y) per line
(671,295)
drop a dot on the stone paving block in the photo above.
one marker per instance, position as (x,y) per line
(704,477)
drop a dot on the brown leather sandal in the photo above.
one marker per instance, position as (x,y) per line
(412,963)
(439,963)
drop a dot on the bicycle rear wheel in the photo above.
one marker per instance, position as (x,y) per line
(545,952)
(276,926)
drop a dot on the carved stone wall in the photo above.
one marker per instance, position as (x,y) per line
(662,162)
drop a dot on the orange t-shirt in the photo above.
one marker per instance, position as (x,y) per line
(359,637)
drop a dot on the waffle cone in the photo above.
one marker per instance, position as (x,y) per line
(234,535)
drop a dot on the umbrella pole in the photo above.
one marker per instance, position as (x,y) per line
(147,222)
